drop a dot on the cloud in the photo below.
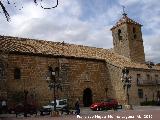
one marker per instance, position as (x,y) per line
(152,48)
(83,22)
(61,25)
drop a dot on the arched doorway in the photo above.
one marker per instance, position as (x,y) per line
(87,97)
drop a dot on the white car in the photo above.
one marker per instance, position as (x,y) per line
(59,104)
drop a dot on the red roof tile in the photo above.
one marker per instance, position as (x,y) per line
(24,45)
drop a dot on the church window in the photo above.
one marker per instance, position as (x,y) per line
(119,34)
(17,73)
(135,36)
(134,33)
(134,30)
(140,93)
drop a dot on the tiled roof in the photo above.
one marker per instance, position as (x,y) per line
(24,45)
(125,19)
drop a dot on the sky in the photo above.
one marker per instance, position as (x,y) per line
(84,22)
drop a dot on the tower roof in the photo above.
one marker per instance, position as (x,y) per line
(125,19)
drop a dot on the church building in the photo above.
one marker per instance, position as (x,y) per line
(88,73)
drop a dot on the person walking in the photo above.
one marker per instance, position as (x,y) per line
(77,108)
(146,98)
(0,106)
(4,106)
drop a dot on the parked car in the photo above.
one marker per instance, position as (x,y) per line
(22,109)
(107,104)
(60,104)
(45,111)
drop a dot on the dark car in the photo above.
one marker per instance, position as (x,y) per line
(107,104)
(23,109)
(45,111)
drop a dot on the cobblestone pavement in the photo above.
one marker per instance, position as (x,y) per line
(139,113)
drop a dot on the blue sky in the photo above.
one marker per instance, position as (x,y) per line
(85,22)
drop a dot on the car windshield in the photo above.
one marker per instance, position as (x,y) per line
(62,102)
(108,100)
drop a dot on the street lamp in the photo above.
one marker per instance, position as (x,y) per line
(126,80)
(53,83)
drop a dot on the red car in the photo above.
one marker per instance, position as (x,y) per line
(107,104)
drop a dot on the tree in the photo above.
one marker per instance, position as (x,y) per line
(36,2)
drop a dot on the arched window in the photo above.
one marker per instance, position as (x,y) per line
(134,30)
(135,36)
(134,33)
(17,73)
(119,34)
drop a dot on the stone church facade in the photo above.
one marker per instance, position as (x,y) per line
(87,73)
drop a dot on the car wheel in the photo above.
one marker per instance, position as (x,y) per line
(99,108)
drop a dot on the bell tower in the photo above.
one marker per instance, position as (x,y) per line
(127,39)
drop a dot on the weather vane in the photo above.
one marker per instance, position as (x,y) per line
(124,13)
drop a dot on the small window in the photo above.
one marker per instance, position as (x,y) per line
(148,77)
(138,78)
(134,30)
(119,34)
(135,36)
(156,77)
(140,93)
(17,73)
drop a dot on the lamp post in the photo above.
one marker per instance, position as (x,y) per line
(126,80)
(53,83)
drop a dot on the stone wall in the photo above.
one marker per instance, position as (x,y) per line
(129,46)
(148,89)
(121,46)
(75,74)
(116,86)
(136,44)
(3,72)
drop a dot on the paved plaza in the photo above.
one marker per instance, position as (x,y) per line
(139,113)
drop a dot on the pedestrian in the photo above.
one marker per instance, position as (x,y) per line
(0,106)
(77,108)
(4,106)
(146,99)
